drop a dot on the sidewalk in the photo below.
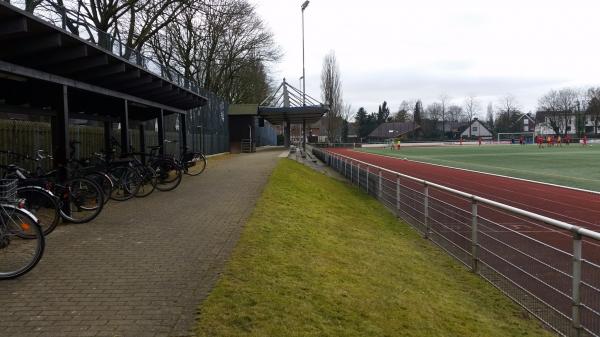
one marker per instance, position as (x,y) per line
(143,266)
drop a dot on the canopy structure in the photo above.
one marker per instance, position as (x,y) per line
(48,71)
(289,105)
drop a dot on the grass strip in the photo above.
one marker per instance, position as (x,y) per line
(320,258)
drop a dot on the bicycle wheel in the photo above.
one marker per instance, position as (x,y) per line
(148,181)
(127,182)
(21,242)
(195,165)
(103,180)
(168,173)
(43,205)
(83,202)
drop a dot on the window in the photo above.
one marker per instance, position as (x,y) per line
(526,127)
(474,129)
(525,121)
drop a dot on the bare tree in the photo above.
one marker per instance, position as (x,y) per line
(490,115)
(593,106)
(471,109)
(559,107)
(508,108)
(331,92)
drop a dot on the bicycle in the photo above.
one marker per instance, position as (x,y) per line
(193,163)
(21,239)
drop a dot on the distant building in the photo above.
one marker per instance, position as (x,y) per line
(526,123)
(566,122)
(475,130)
(393,130)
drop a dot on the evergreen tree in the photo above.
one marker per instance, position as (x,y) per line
(383,113)
(418,112)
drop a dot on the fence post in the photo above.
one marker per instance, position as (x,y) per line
(474,239)
(398,194)
(351,169)
(367,179)
(576,295)
(380,189)
(426,208)
(358,175)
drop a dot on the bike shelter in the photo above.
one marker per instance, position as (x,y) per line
(46,71)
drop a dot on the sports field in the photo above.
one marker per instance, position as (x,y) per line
(574,165)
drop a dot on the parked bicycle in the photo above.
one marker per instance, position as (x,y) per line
(21,239)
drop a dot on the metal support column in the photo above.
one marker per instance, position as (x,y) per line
(60,134)
(125,129)
(161,132)
(183,126)
(143,143)
(286,135)
(304,135)
(107,138)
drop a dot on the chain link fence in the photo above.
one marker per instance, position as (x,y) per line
(549,267)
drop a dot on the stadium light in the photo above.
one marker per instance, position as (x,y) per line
(304,5)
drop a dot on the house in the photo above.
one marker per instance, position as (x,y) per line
(393,130)
(526,123)
(567,123)
(475,130)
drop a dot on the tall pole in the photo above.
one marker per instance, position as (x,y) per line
(304,5)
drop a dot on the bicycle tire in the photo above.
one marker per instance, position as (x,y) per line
(196,165)
(43,205)
(13,222)
(169,174)
(148,183)
(82,190)
(104,181)
(126,183)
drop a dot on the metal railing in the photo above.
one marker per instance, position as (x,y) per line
(537,261)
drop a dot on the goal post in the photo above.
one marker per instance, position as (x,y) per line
(508,136)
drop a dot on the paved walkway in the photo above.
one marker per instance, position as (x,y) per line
(143,266)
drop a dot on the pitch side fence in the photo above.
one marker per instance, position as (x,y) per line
(549,267)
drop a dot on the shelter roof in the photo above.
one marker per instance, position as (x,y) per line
(30,42)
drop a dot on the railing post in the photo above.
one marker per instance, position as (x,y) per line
(380,189)
(367,179)
(474,239)
(345,162)
(351,169)
(426,209)
(576,295)
(398,194)
(358,175)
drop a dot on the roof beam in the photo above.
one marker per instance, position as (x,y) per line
(81,64)
(129,85)
(13,26)
(103,71)
(44,76)
(32,45)
(132,74)
(148,88)
(57,56)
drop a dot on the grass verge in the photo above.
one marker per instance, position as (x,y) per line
(320,258)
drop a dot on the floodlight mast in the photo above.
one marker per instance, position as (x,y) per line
(304,5)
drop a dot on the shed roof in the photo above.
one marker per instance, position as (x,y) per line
(393,130)
(35,44)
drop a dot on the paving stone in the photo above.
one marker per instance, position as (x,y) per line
(143,266)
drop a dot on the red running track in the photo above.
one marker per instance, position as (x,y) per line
(572,206)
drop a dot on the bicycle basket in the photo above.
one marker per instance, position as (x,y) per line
(8,190)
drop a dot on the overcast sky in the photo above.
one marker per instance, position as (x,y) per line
(396,50)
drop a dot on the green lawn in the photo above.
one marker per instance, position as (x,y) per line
(320,258)
(572,165)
